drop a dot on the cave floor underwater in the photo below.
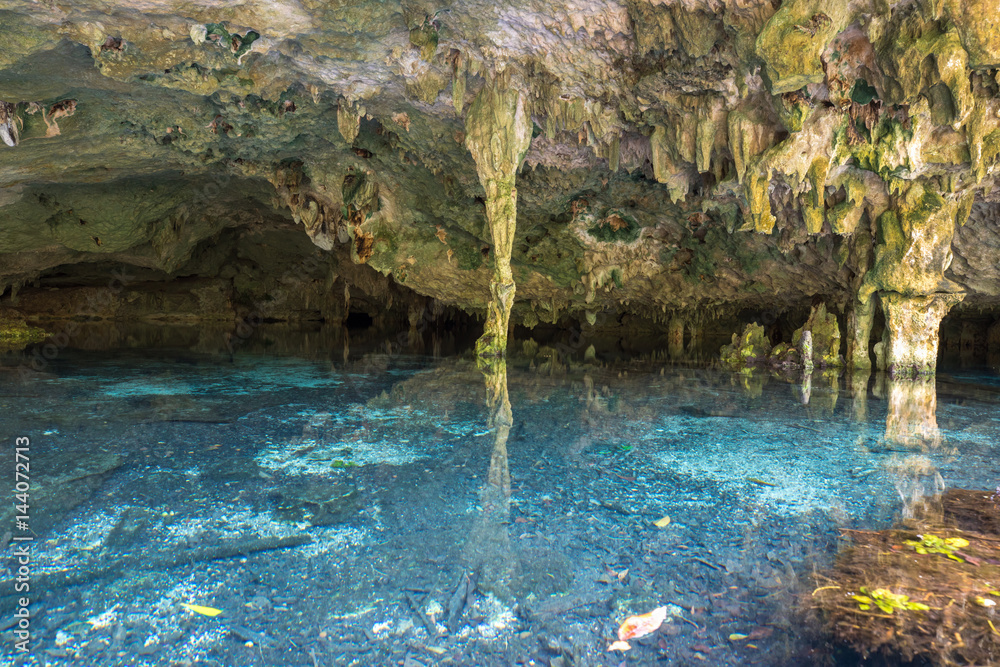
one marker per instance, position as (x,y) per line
(374,506)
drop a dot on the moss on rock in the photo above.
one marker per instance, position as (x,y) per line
(15,333)
(825,337)
(746,349)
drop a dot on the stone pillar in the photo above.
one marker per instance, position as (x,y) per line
(415,315)
(912,324)
(908,273)
(967,344)
(993,345)
(695,333)
(675,337)
(859,327)
(498,133)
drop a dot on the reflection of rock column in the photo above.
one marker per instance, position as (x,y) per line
(489,549)
(916,479)
(498,133)
(675,336)
(912,423)
(859,393)
(912,418)
(805,388)
(913,323)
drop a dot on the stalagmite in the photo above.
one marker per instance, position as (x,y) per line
(806,346)
(498,133)
(967,350)
(993,345)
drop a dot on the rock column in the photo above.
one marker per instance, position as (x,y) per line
(675,337)
(859,327)
(913,324)
(913,252)
(498,133)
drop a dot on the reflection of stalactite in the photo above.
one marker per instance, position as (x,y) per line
(8,124)
(489,549)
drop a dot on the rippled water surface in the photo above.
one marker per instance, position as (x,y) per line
(395,509)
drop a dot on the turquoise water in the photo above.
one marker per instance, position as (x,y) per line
(386,508)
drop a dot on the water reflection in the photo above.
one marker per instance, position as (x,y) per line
(489,550)
(942,553)
(911,421)
(859,380)
(408,531)
(912,433)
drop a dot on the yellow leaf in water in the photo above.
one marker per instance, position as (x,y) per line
(620,646)
(663,523)
(204,611)
(639,626)
(737,637)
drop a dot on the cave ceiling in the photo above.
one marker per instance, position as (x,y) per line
(686,156)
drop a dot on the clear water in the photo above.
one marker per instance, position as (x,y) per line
(425,522)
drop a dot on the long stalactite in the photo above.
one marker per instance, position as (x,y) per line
(498,132)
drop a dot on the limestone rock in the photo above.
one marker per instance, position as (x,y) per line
(268,146)
(746,349)
(824,332)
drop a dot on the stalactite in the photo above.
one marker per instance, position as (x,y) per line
(498,133)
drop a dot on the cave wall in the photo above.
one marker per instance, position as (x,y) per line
(688,158)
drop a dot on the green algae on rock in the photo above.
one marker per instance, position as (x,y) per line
(747,349)
(16,334)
